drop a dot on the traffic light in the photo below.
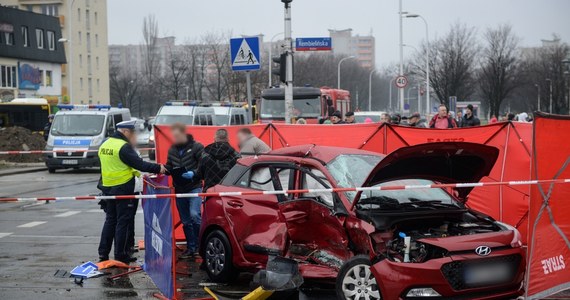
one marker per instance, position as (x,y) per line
(281,61)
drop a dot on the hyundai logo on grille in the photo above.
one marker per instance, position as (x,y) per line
(483,250)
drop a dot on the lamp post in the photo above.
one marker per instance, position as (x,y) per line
(538,97)
(370,89)
(338,69)
(401,44)
(427,57)
(187,92)
(390,94)
(270,60)
(550,105)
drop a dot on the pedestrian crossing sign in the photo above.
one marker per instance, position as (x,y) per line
(245,54)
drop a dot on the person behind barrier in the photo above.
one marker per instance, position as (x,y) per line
(249,144)
(119,165)
(47,127)
(336,118)
(442,120)
(217,159)
(469,119)
(186,153)
(349,118)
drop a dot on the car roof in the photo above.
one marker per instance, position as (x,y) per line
(297,153)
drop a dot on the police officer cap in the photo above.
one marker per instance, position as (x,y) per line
(127,124)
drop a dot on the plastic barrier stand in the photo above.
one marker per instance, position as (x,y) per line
(548,268)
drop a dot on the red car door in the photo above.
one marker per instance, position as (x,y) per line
(314,231)
(255,220)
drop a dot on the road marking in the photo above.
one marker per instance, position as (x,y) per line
(4,234)
(94,210)
(31,224)
(67,214)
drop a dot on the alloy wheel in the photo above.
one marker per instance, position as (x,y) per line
(215,256)
(359,284)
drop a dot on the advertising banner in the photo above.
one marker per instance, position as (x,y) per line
(548,269)
(30,77)
(158,230)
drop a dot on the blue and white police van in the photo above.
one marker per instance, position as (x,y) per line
(77,128)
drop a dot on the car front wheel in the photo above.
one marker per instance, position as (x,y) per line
(218,257)
(355,281)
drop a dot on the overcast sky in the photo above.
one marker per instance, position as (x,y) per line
(532,20)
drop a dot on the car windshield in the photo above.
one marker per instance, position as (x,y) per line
(171,119)
(420,198)
(77,125)
(362,118)
(303,108)
(350,170)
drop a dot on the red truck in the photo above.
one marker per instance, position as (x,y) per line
(310,103)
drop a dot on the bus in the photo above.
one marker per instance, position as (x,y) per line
(30,113)
(310,103)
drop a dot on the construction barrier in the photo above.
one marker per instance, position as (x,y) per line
(548,269)
(506,203)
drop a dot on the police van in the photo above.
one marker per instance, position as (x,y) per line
(229,114)
(77,128)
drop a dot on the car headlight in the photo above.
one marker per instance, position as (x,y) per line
(50,140)
(517,237)
(423,292)
(96,141)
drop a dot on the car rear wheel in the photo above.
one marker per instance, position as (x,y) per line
(355,281)
(218,257)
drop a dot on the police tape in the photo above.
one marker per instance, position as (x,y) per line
(59,151)
(287,192)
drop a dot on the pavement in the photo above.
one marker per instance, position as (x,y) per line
(37,239)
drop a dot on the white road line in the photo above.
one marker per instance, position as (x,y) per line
(97,210)
(31,224)
(4,234)
(67,214)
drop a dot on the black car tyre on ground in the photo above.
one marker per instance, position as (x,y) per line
(218,257)
(355,280)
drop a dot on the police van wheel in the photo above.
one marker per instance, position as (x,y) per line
(51,170)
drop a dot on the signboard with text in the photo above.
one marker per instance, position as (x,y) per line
(30,77)
(313,44)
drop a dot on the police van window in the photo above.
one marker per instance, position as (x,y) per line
(315,179)
(110,126)
(118,118)
(203,119)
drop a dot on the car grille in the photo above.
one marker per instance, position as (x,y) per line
(67,155)
(454,272)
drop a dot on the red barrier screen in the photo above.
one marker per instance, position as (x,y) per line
(505,203)
(549,216)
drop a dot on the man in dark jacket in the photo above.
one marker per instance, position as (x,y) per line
(217,160)
(47,127)
(469,119)
(119,165)
(186,153)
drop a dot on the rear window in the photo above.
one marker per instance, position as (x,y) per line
(233,175)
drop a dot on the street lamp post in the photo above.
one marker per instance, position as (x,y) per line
(538,97)
(550,105)
(370,89)
(401,70)
(288,63)
(338,69)
(427,57)
(270,60)
(390,94)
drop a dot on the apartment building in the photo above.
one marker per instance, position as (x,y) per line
(362,47)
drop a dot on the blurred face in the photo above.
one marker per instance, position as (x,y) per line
(442,111)
(178,136)
(468,111)
(130,134)
(350,119)
(335,119)
(242,137)
(385,118)
(414,120)
(459,114)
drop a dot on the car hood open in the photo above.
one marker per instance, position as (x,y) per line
(446,162)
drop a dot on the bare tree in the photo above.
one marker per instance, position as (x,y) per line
(174,79)
(151,62)
(499,65)
(219,64)
(195,76)
(124,85)
(452,61)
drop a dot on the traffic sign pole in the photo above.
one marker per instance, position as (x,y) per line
(289,63)
(248,83)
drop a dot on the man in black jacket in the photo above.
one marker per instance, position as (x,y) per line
(119,162)
(217,160)
(186,153)
(469,119)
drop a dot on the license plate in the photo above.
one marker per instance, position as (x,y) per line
(488,274)
(69,162)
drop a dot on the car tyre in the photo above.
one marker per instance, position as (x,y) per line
(355,280)
(51,170)
(218,257)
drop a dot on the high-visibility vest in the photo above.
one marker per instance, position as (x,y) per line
(113,170)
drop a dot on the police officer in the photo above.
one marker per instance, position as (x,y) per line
(119,165)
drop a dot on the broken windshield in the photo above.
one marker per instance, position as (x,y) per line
(350,170)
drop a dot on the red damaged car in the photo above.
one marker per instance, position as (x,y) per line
(375,244)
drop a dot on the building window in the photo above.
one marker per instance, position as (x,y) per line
(49,78)
(95,18)
(42,81)
(40,38)
(50,9)
(97,62)
(88,41)
(80,61)
(9,38)
(30,8)
(8,76)
(79,37)
(98,87)
(89,69)
(81,83)
(90,88)
(25,36)
(96,40)
(87,19)
(79,15)
(51,40)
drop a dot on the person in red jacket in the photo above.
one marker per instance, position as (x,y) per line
(442,120)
